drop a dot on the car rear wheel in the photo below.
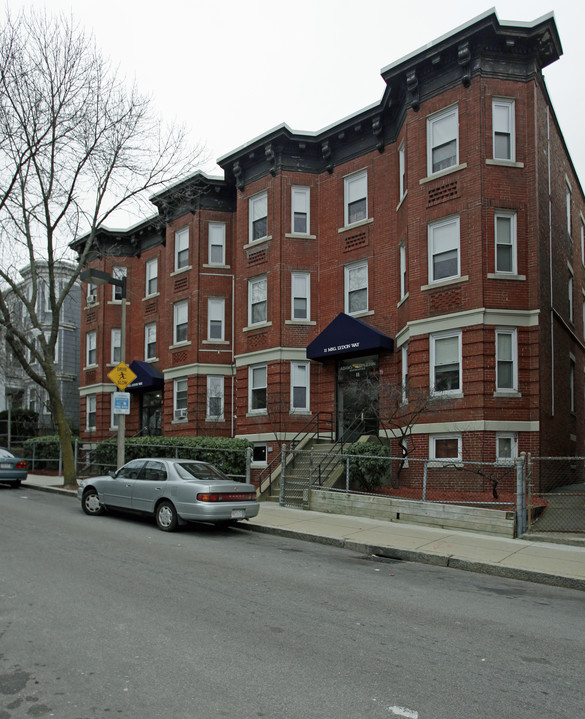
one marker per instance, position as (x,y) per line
(91,503)
(16,484)
(166,517)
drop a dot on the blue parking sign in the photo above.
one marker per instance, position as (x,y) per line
(121,402)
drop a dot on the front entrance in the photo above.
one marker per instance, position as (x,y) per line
(151,413)
(357,397)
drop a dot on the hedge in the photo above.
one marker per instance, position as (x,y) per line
(365,468)
(45,450)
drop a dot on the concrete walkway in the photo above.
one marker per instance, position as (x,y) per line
(535,561)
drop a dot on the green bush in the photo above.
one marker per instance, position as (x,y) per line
(23,424)
(368,467)
(45,451)
(229,455)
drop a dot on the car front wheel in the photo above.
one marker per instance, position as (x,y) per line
(91,503)
(166,517)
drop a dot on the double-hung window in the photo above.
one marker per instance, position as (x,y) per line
(506,447)
(91,293)
(356,288)
(258,214)
(446,363)
(402,270)
(181,321)
(503,123)
(118,273)
(257,300)
(570,297)
(215,389)
(300,210)
(152,277)
(180,398)
(300,295)
(90,412)
(404,372)
(402,169)
(506,362)
(215,318)
(257,394)
(181,248)
(443,140)
(115,346)
(91,349)
(568,201)
(299,391)
(355,197)
(217,243)
(571,383)
(505,232)
(445,447)
(150,341)
(444,262)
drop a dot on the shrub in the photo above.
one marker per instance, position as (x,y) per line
(45,450)
(23,423)
(368,466)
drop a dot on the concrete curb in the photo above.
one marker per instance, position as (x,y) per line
(51,490)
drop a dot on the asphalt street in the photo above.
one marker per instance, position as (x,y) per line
(107,616)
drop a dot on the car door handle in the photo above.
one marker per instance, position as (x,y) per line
(158,489)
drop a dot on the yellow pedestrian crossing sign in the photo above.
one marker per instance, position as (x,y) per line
(122,376)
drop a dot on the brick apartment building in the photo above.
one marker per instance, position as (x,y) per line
(432,243)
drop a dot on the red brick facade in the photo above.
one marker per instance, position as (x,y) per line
(483,314)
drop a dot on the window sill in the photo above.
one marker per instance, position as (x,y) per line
(361,223)
(300,322)
(403,300)
(399,205)
(179,345)
(445,283)
(91,305)
(217,267)
(151,359)
(259,326)
(215,419)
(91,366)
(117,302)
(503,276)
(365,313)
(214,342)
(150,297)
(504,163)
(300,413)
(182,420)
(257,413)
(299,236)
(442,173)
(255,243)
(447,395)
(445,463)
(181,271)
(510,394)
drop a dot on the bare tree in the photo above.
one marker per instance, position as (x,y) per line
(77,143)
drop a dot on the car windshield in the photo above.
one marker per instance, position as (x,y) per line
(206,472)
(5,454)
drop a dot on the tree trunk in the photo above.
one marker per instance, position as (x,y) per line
(63,429)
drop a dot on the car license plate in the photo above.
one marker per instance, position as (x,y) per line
(5,465)
(238,513)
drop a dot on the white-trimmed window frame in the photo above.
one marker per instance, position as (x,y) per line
(511,216)
(216,244)
(257,212)
(92,297)
(215,319)
(257,299)
(355,190)
(509,106)
(300,209)
(348,272)
(262,447)
(300,371)
(402,169)
(433,229)
(434,438)
(512,361)
(182,248)
(118,273)
(571,304)
(180,322)
(215,391)
(180,398)
(91,349)
(258,388)
(448,113)
(115,345)
(151,282)
(300,283)
(433,340)
(149,340)
(403,290)
(91,412)
(572,369)
(569,207)
(404,373)
(114,417)
(512,438)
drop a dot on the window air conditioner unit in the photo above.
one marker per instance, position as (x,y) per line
(180,414)
(91,299)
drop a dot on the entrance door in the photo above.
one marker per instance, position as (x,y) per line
(357,397)
(151,413)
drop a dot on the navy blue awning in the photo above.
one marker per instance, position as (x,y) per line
(346,336)
(147,376)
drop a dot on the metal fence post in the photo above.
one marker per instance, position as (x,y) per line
(248,464)
(521,495)
(347,474)
(34,455)
(282,475)
(76,456)
(424,492)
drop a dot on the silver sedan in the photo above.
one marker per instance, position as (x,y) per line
(174,491)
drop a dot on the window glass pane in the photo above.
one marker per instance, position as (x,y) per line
(300,222)
(447,448)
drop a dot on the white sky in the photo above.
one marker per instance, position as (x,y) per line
(231,70)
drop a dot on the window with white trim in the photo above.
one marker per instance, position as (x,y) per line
(570,296)
(582,242)
(300,210)
(91,412)
(259,453)
(356,287)
(152,276)
(215,393)
(91,349)
(118,273)
(402,169)
(258,215)
(443,140)
(91,294)
(150,341)
(568,201)
(257,393)
(403,270)
(506,360)
(257,300)
(299,390)
(115,346)
(114,416)
(180,387)
(505,233)
(404,372)
(506,447)
(444,241)
(355,202)
(446,363)
(216,243)
(572,383)
(215,318)
(445,447)
(181,248)
(301,295)
(180,321)
(503,124)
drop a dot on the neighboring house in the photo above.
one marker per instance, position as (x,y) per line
(16,386)
(435,238)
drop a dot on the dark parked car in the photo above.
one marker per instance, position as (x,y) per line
(12,469)
(174,491)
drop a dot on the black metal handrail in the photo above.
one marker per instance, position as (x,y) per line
(332,457)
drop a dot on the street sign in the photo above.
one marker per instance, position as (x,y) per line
(121,402)
(122,376)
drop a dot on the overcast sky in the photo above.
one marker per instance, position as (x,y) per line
(231,70)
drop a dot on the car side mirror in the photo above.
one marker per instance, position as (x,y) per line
(112,474)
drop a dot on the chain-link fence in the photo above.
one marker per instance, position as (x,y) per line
(556,495)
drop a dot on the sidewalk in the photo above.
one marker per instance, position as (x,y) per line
(535,561)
